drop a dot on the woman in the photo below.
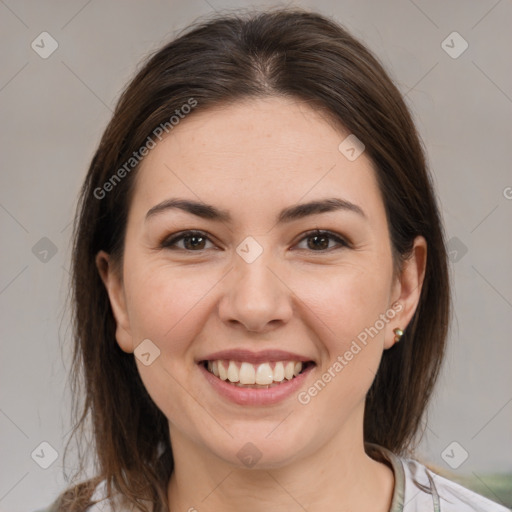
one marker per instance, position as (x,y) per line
(260,281)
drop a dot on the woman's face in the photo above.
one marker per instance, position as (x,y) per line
(254,287)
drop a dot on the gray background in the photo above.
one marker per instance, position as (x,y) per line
(54,110)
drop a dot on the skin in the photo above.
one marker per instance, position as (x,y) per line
(253,159)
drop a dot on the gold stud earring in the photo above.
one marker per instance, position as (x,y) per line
(398,334)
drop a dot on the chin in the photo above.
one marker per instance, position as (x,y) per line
(258,450)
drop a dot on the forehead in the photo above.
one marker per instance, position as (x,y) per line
(254,155)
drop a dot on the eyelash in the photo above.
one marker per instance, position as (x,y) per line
(169,243)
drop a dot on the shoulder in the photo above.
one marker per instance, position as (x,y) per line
(424,488)
(419,489)
(101,501)
(115,503)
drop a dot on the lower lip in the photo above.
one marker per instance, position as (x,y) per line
(253,396)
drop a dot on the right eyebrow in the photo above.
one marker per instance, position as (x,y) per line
(197,208)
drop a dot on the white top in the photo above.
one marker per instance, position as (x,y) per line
(417,489)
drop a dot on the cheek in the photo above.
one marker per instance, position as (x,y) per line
(168,306)
(345,311)
(347,301)
(163,303)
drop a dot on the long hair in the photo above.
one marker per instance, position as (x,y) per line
(216,61)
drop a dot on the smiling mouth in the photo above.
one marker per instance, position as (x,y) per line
(256,376)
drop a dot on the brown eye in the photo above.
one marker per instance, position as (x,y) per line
(318,241)
(193,241)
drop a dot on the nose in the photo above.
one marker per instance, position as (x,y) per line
(256,297)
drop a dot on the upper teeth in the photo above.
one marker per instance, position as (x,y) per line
(247,373)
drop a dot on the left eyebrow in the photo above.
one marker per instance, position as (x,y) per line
(315,207)
(289,214)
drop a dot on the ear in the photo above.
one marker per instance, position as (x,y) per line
(407,289)
(114,284)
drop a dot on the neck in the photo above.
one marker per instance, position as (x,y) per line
(336,476)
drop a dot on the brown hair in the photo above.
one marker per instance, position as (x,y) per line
(281,52)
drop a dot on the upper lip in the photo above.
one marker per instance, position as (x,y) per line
(255,357)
